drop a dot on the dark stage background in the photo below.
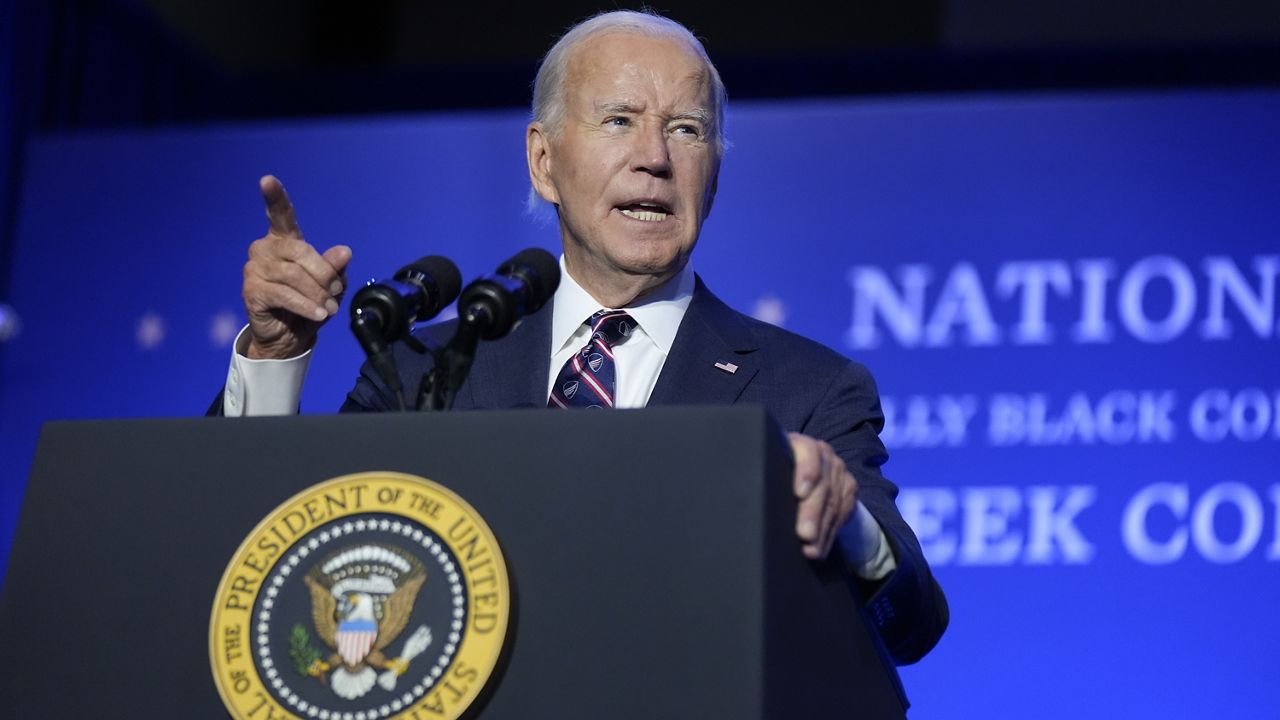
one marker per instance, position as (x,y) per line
(1049,231)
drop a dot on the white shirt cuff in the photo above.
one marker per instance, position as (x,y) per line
(258,388)
(865,546)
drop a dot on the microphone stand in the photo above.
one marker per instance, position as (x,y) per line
(489,308)
(452,363)
(367,328)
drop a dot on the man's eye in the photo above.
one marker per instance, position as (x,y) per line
(617,121)
(686,129)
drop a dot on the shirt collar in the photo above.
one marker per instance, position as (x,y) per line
(659,313)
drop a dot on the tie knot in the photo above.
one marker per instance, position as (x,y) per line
(611,326)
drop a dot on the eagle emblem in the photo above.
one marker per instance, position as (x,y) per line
(361,600)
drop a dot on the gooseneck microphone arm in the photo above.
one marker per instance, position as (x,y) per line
(452,365)
(487,310)
(368,333)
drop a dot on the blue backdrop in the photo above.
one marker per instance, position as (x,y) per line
(1069,303)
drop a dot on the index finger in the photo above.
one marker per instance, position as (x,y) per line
(279,208)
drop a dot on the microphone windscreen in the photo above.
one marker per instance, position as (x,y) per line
(441,270)
(539,269)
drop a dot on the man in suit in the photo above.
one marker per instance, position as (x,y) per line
(626,143)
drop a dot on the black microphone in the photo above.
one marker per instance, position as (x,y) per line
(488,309)
(521,285)
(383,312)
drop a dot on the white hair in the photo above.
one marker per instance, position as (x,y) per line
(548,86)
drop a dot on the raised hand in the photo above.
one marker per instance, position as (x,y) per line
(290,289)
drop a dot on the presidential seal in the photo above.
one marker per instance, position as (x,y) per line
(368,596)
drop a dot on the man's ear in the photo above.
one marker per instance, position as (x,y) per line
(537,148)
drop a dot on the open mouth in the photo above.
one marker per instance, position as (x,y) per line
(645,210)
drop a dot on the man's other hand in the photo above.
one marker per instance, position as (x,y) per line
(826,492)
(290,290)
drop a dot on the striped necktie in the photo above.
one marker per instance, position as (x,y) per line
(588,378)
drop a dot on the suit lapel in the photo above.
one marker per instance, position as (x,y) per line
(711,334)
(512,372)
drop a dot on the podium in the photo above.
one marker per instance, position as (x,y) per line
(653,563)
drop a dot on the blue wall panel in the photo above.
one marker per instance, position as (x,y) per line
(1069,303)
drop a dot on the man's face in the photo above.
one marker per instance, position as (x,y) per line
(632,168)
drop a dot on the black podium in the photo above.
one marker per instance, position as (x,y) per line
(654,567)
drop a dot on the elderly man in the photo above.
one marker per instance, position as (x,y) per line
(626,143)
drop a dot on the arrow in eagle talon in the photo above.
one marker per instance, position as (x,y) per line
(413,647)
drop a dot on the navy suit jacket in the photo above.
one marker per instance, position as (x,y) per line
(807,387)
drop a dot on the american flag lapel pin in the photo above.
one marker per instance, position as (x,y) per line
(727,367)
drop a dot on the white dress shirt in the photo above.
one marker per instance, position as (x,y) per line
(274,387)
(639,357)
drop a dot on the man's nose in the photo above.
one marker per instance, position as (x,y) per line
(650,153)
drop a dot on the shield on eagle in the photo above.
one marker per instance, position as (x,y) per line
(355,640)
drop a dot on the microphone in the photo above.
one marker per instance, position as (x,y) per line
(383,312)
(488,309)
(521,286)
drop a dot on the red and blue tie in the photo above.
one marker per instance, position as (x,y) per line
(588,378)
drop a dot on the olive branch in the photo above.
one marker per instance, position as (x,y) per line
(303,654)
